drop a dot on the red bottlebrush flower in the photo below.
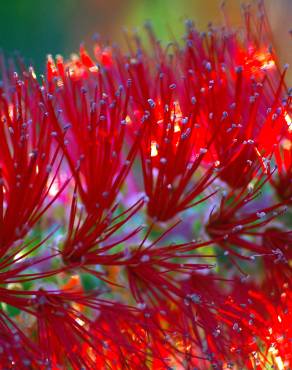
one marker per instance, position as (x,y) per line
(62,329)
(171,160)
(157,338)
(239,90)
(205,118)
(202,329)
(95,136)
(18,268)
(130,338)
(120,335)
(181,147)
(29,160)
(262,328)
(172,147)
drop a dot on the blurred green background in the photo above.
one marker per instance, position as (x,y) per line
(38,27)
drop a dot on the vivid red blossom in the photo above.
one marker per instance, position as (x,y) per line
(89,119)
(238,88)
(18,267)
(172,152)
(29,158)
(262,336)
(145,203)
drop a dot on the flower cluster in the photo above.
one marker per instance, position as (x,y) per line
(144,205)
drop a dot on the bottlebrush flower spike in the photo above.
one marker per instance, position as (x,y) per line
(172,161)
(132,338)
(18,268)
(240,96)
(62,329)
(92,116)
(204,120)
(29,159)
(171,338)
(262,334)
(156,115)
(202,329)
(120,336)
(172,146)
